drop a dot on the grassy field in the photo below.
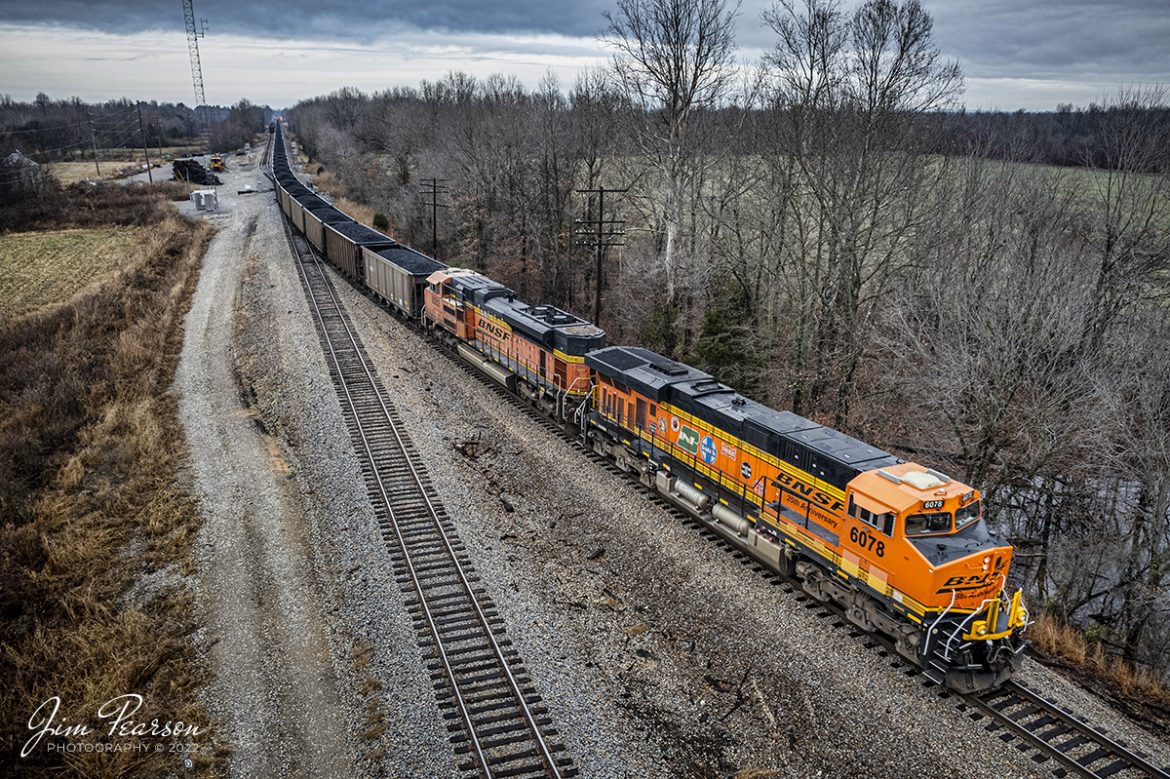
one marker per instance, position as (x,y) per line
(95,545)
(45,267)
(118,163)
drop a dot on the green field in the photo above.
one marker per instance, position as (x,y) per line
(41,268)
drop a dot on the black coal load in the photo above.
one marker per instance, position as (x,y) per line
(191,170)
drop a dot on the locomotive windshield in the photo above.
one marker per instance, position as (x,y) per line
(968,515)
(925,524)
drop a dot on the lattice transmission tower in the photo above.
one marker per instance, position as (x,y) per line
(193,36)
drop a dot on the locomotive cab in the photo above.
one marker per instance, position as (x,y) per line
(925,535)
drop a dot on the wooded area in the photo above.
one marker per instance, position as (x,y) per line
(48,130)
(827,233)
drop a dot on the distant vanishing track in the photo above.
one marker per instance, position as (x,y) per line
(492,709)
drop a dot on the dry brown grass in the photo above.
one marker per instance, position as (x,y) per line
(82,205)
(117,163)
(89,449)
(1073,648)
(327,182)
(358,211)
(50,266)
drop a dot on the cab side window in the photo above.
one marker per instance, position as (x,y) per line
(882,522)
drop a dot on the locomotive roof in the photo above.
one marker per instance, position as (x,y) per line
(547,324)
(828,453)
(414,263)
(649,373)
(359,233)
(543,324)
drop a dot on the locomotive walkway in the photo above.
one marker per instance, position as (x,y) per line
(493,711)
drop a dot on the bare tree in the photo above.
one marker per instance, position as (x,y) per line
(1130,151)
(851,97)
(674,58)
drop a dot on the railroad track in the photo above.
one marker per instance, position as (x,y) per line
(493,711)
(1014,712)
(1076,747)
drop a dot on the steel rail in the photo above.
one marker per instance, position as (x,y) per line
(538,736)
(480,752)
(461,703)
(1050,724)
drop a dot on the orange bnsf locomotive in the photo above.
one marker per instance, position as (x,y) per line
(903,549)
(536,351)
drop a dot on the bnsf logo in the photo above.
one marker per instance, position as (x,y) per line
(786,482)
(975,581)
(492,329)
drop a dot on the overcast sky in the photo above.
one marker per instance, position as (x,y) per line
(1028,54)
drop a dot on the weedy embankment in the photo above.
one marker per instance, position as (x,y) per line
(96,534)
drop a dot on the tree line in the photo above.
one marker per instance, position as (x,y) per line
(47,130)
(828,233)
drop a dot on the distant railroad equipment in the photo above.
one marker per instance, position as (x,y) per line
(902,549)
(191,170)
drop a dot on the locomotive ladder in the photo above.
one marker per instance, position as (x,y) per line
(491,707)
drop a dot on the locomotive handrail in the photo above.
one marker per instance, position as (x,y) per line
(948,647)
(943,613)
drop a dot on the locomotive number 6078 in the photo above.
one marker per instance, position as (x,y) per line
(867,541)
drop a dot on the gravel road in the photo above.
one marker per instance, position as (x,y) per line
(272,684)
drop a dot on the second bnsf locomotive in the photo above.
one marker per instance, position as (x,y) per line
(902,548)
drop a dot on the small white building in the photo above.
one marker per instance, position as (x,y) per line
(205,200)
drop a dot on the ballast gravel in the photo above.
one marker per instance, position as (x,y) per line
(657,653)
(393,720)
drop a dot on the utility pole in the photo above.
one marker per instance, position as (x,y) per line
(600,233)
(93,142)
(145,153)
(435,188)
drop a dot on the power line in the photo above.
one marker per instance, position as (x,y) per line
(435,188)
(600,233)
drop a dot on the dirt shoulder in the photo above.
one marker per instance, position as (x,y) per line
(273,689)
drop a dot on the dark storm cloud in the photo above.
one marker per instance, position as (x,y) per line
(1014,53)
(324,18)
(1016,38)
(1124,38)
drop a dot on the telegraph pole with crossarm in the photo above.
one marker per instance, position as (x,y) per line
(434,188)
(601,233)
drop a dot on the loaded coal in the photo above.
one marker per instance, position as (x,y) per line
(191,170)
